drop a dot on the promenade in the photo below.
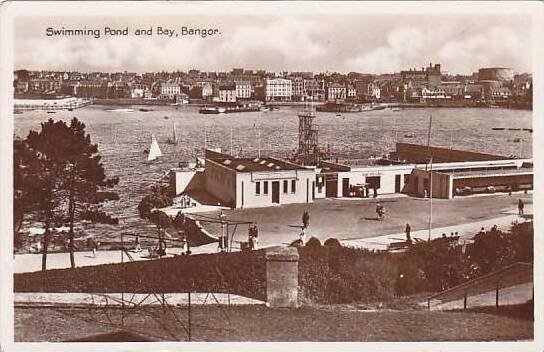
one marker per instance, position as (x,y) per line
(352,221)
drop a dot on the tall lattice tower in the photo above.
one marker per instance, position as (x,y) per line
(308,149)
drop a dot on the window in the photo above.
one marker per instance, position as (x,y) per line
(293,186)
(265,187)
(285,186)
(406,179)
(257,188)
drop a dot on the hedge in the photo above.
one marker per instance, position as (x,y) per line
(331,274)
(242,273)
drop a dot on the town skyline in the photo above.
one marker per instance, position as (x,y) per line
(371,44)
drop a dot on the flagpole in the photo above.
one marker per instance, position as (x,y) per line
(231,140)
(430,178)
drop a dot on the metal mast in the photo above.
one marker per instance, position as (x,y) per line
(308,149)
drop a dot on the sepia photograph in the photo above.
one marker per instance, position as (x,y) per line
(269,172)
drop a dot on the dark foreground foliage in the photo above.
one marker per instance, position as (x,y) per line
(242,273)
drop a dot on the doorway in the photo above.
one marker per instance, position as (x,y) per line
(397,183)
(276,192)
(345,187)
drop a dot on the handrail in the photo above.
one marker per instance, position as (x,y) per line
(481,278)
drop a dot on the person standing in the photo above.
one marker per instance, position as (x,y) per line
(138,246)
(408,237)
(302,237)
(520,207)
(305,219)
(255,237)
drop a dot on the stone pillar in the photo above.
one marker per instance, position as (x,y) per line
(281,277)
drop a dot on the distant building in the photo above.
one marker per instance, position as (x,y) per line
(278,89)
(207,88)
(434,93)
(501,74)
(170,90)
(351,92)
(298,88)
(314,90)
(501,93)
(226,93)
(243,90)
(336,91)
(452,89)
(429,76)
(138,90)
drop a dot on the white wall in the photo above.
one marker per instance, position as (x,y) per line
(180,179)
(245,181)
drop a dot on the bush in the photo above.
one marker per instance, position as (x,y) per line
(332,242)
(313,242)
(153,201)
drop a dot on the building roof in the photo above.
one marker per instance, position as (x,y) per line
(489,173)
(252,164)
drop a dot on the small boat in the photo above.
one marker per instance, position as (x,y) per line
(395,109)
(516,140)
(497,128)
(212,110)
(51,112)
(409,135)
(145,109)
(338,115)
(154,150)
(528,130)
(166,117)
(70,109)
(120,110)
(514,129)
(174,139)
(17,112)
(208,110)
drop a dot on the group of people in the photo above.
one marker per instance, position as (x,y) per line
(185,201)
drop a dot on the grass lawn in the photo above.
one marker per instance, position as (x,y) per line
(356,218)
(258,323)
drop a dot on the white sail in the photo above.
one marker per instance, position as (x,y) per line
(154,150)
(174,140)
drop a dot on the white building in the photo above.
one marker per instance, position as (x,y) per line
(170,90)
(279,89)
(260,182)
(336,91)
(243,90)
(226,93)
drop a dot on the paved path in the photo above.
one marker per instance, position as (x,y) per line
(115,299)
(466,232)
(33,262)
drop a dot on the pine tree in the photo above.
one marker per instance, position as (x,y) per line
(78,175)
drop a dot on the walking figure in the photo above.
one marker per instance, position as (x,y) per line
(305,219)
(520,207)
(92,245)
(380,210)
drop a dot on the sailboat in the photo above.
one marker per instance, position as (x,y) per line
(174,139)
(154,150)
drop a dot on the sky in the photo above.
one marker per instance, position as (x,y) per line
(461,43)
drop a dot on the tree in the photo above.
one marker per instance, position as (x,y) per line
(79,172)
